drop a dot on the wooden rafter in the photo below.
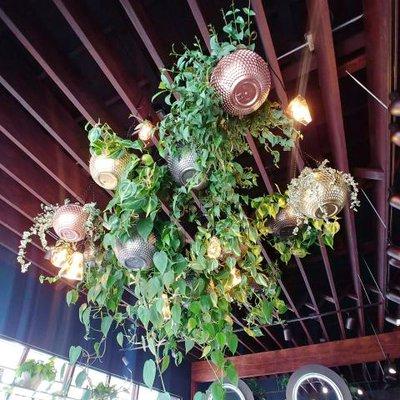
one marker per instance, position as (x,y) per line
(30,34)
(328,81)
(331,354)
(378,49)
(106,58)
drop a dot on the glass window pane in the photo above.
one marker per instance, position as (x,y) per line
(147,394)
(124,387)
(10,353)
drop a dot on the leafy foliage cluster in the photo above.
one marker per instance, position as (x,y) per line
(43,370)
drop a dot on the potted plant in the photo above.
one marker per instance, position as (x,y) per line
(31,373)
(322,192)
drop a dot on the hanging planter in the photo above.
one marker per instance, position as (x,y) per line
(106,171)
(28,382)
(243,81)
(183,168)
(136,253)
(285,223)
(322,192)
(69,222)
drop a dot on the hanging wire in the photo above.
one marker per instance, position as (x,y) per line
(373,207)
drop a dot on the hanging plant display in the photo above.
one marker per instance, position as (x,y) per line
(322,192)
(185,293)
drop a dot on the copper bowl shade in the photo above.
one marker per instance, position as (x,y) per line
(183,168)
(243,81)
(107,171)
(284,223)
(136,253)
(332,194)
(69,222)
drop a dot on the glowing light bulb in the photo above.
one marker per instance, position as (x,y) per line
(392,371)
(298,110)
(74,270)
(59,256)
(146,129)
(325,390)
(360,392)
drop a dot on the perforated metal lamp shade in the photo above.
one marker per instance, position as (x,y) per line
(69,222)
(287,334)
(243,81)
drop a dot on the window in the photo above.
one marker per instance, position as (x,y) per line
(13,353)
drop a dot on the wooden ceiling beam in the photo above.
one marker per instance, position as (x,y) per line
(20,168)
(330,354)
(328,81)
(106,58)
(22,130)
(137,15)
(200,21)
(57,66)
(378,25)
(10,241)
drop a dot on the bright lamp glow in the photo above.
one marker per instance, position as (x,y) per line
(325,390)
(74,269)
(298,110)
(59,256)
(360,392)
(146,131)
(392,371)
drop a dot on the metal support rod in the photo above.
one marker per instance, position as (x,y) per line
(337,28)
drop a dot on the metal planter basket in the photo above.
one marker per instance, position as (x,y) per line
(243,81)
(285,222)
(107,171)
(183,168)
(136,253)
(69,222)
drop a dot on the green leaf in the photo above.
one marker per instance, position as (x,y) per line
(232,342)
(220,337)
(160,260)
(199,396)
(206,350)
(74,354)
(120,339)
(165,363)
(176,312)
(106,325)
(80,379)
(72,297)
(144,227)
(192,323)
(217,391)
(189,344)
(149,373)
(231,373)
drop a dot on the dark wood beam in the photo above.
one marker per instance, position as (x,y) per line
(21,169)
(28,31)
(106,57)
(374,174)
(137,15)
(200,21)
(328,81)
(331,354)
(29,136)
(378,25)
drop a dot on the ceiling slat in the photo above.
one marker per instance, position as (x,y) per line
(328,81)
(378,47)
(19,128)
(106,58)
(56,65)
